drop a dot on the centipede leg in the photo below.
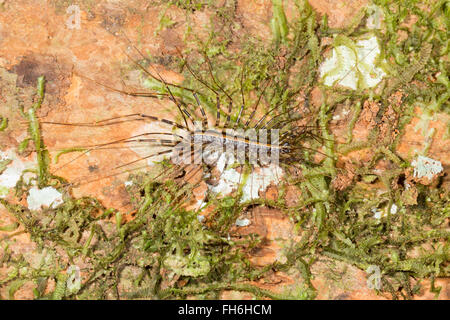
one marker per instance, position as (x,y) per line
(204,118)
(257,104)
(239,116)
(230,105)
(217,112)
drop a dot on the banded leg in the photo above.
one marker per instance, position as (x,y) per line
(204,118)
(239,116)
(217,112)
(196,77)
(229,114)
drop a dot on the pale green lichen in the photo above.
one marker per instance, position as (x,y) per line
(426,167)
(13,168)
(352,64)
(48,197)
(178,256)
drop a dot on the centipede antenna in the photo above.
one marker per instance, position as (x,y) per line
(128,93)
(78,184)
(126,140)
(157,143)
(101,145)
(144,158)
(167,172)
(116,120)
(163,173)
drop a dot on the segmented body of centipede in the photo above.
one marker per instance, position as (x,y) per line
(269,141)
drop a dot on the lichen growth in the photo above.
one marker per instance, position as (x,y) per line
(174,255)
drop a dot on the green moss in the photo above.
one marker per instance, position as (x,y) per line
(3,123)
(278,23)
(176,256)
(34,130)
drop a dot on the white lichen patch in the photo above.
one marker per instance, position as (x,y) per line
(128,183)
(11,175)
(73,282)
(353,67)
(428,113)
(48,196)
(426,167)
(242,222)
(342,115)
(394,208)
(222,162)
(375,17)
(229,180)
(200,204)
(378,213)
(258,180)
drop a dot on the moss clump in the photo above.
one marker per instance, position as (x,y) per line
(166,252)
